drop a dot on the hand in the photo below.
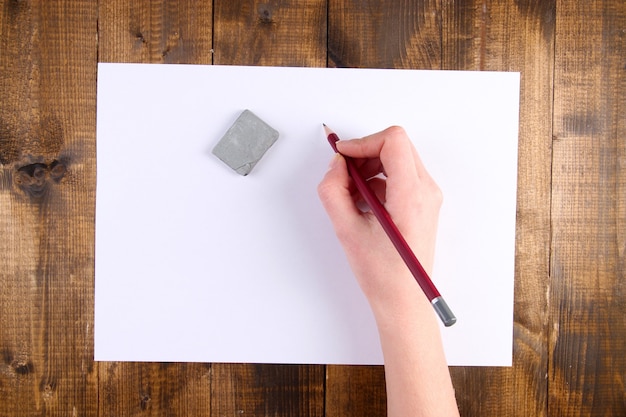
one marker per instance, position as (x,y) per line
(410,196)
(416,373)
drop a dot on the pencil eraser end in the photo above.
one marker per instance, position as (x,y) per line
(443,311)
(245,142)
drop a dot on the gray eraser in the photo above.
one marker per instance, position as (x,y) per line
(245,142)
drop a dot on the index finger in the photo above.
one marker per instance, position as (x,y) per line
(396,153)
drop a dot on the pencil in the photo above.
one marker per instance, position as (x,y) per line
(403,248)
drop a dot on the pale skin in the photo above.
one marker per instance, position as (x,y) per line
(416,373)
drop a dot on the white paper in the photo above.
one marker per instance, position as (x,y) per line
(196,263)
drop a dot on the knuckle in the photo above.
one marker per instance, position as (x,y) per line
(396,132)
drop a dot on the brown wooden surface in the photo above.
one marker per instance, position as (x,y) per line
(569,356)
(587,346)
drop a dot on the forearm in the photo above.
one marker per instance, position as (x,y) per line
(416,372)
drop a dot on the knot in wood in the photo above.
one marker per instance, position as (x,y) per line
(57,171)
(22,367)
(145,400)
(34,178)
(265,14)
(48,388)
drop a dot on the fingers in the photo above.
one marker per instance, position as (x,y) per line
(336,197)
(408,193)
(371,146)
(369,167)
(390,151)
(391,142)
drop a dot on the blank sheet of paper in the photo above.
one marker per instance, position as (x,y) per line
(196,263)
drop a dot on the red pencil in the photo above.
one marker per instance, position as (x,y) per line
(422,278)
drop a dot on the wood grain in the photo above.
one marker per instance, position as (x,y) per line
(162,31)
(355,391)
(474,35)
(384,34)
(279,33)
(477,36)
(588,295)
(268,390)
(570,292)
(144,389)
(275,32)
(174,32)
(375,34)
(47,160)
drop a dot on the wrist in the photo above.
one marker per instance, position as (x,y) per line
(400,305)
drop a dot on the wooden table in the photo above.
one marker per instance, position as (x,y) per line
(569,356)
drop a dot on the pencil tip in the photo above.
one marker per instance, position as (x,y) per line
(324,124)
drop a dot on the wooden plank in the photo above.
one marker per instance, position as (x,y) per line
(355,391)
(475,35)
(47,114)
(375,34)
(47,178)
(133,389)
(277,32)
(588,301)
(164,31)
(280,33)
(379,34)
(267,390)
(515,36)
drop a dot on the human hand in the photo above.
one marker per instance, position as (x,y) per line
(409,194)
(416,373)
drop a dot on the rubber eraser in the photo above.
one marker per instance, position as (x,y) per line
(245,142)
